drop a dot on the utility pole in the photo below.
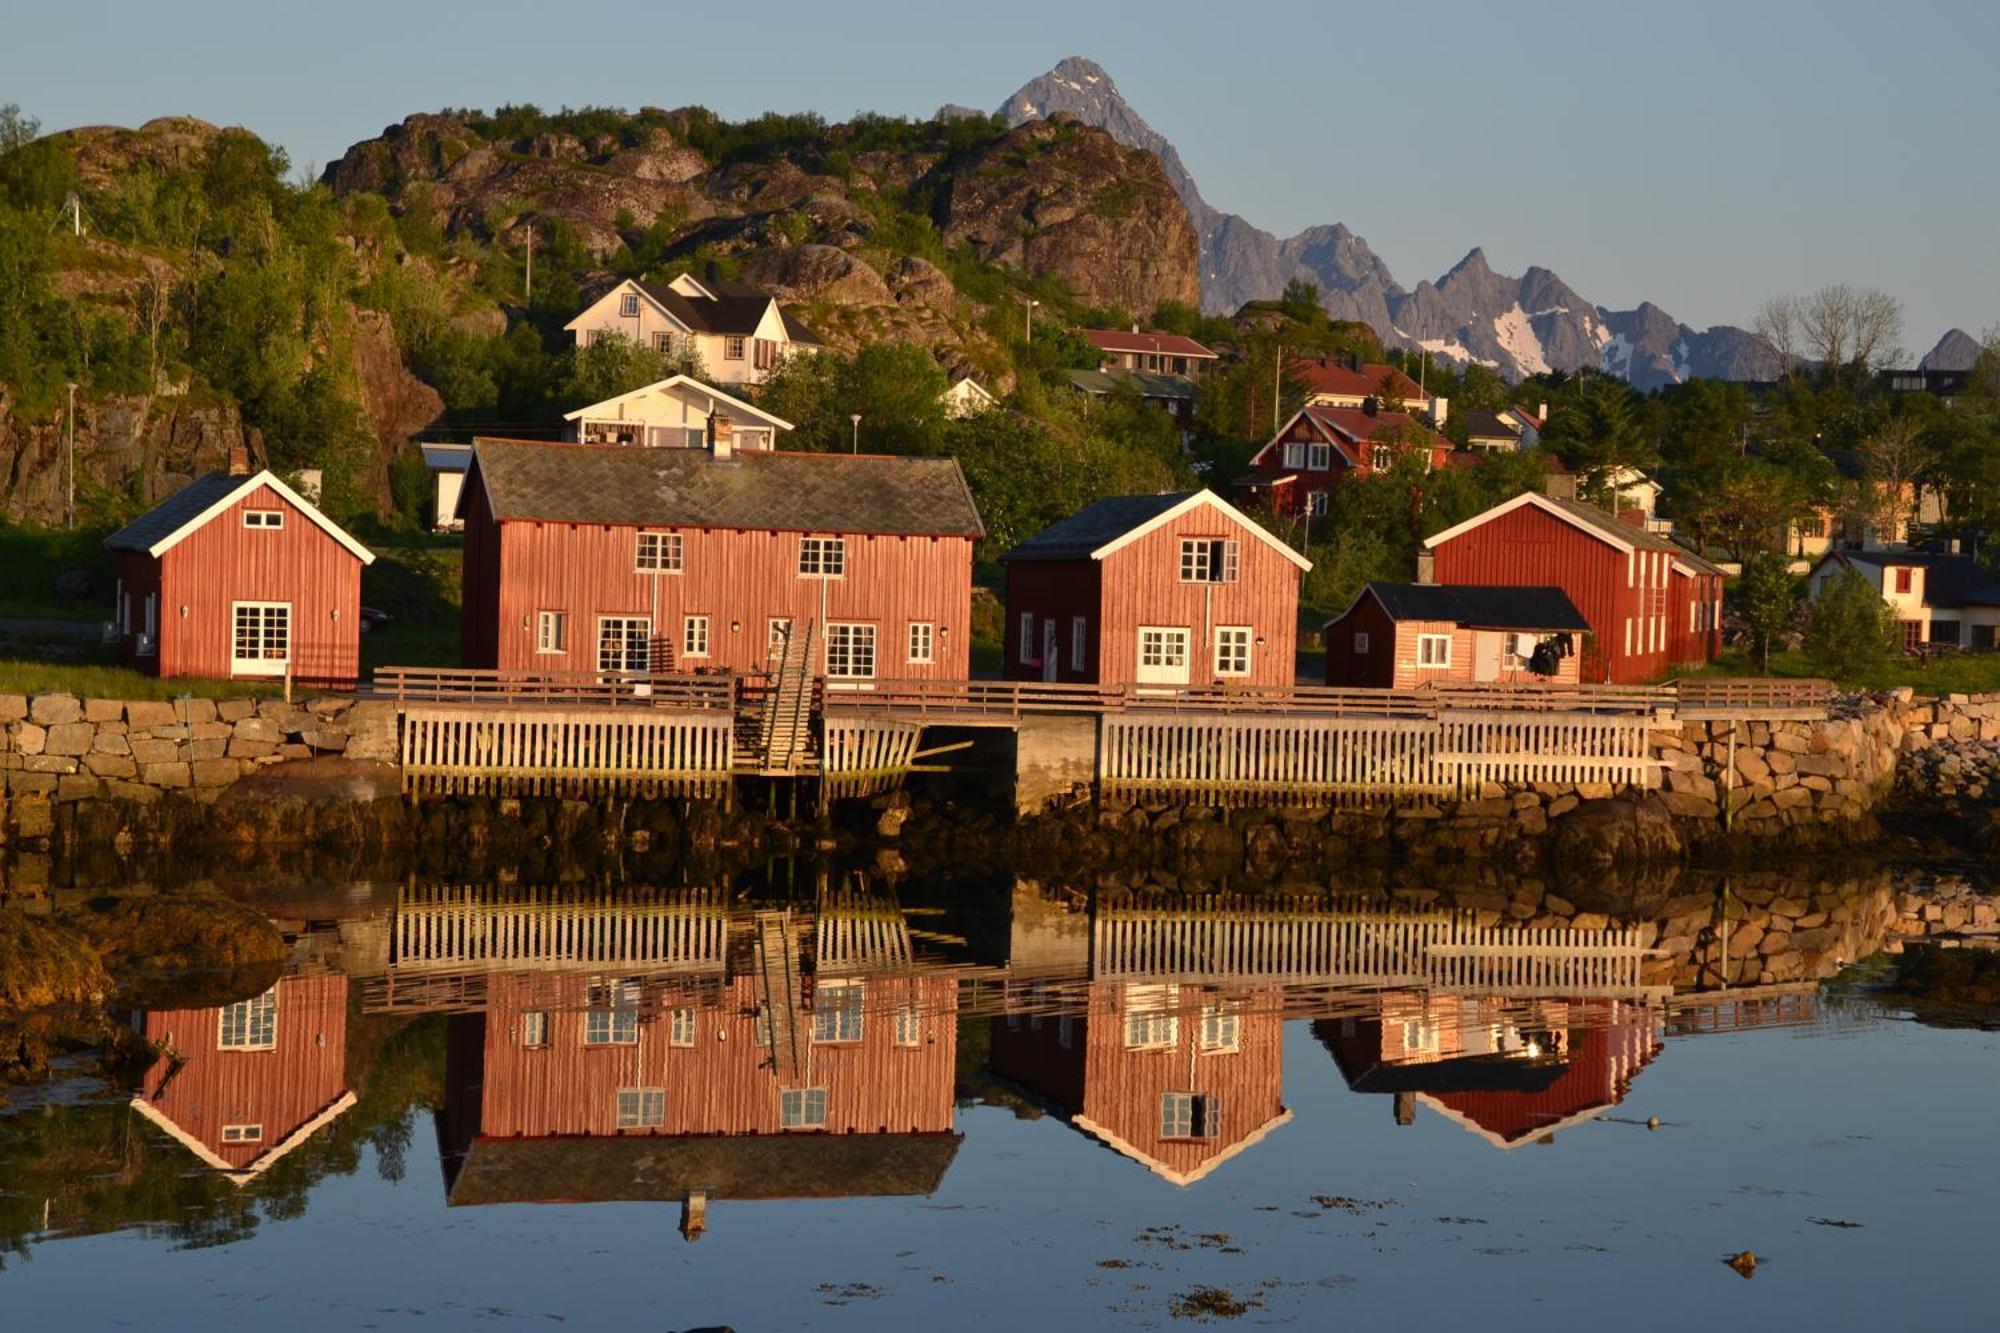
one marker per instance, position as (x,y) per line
(1028,305)
(528,284)
(74,206)
(855,417)
(1277,385)
(69,461)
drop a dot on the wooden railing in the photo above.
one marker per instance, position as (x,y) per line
(1752,696)
(454,685)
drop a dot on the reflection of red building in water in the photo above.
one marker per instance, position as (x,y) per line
(1178,1078)
(241,1085)
(575,1088)
(1508,1072)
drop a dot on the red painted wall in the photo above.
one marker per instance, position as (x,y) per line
(1064,589)
(1374,669)
(279,1089)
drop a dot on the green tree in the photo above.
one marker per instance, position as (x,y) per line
(612,364)
(1767,597)
(1849,628)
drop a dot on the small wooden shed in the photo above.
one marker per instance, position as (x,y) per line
(1404,635)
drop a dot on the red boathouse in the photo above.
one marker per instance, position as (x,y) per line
(237,576)
(600,558)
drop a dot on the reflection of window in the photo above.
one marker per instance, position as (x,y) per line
(642,1108)
(1190,1115)
(837,1012)
(613,1017)
(251,1025)
(1316,504)
(663,343)
(535,1029)
(1361,642)
(1319,456)
(1382,458)
(1150,1020)
(909,1027)
(1220,1028)
(1066,1032)
(681,1030)
(1208,560)
(1419,1035)
(802,1108)
(1434,650)
(778,633)
(242,1133)
(1295,453)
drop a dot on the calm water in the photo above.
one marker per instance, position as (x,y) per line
(1029,1110)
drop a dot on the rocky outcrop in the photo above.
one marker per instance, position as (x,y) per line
(818,273)
(1056,197)
(145,446)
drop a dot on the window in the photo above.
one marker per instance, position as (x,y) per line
(1079,641)
(242,1133)
(778,636)
(261,641)
(1361,642)
(642,1108)
(921,634)
(694,636)
(1221,1028)
(1316,504)
(263,518)
(1208,560)
(1905,578)
(802,1108)
(1027,649)
(1164,648)
(1232,650)
(663,343)
(680,1031)
(624,643)
(628,305)
(1381,458)
(822,557)
(251,1025)
(613,1016)
(1419,1035)
(1150,1020)
(1295,453)
(659,553)
(909,1027)
(1434,650)
(850,652)
(732,347)
(1319,456)
(535,1029)
(1190,1115)
(837,1012)
(551,632)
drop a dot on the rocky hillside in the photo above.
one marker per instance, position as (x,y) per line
(1957,350)
(1517,325)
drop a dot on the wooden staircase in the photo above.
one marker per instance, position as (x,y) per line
(778,973)
(784,742)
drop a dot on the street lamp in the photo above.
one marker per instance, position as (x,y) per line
(1028,316)
(856,419)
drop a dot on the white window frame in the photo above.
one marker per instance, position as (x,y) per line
(1429,660)
(680,1028)
(262,664)
(922,645)
(233,1134)
(663,342)
(659,553)
(552,632)
(1420,1035)
(1152,1018)
(628,305)
(733,345)
(264,518)
(777,636)
(1164,654)
(613,1016)
(847,644)
(1228,640)
(1026,652)
(255,1024)
(822,557)
(1381,458)
(694,636)
(1210,560)
(1316,503)
(1319,456)
(1361,641)
(1295,455)
(535,1029)
(1188,1115)
(623,662)
(1221,1029)
(802,1108)
(642,1108)
(909,1026)
(1079,641)
(838,1016)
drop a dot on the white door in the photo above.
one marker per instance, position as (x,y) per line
(260,641)
(1485,655)
(149,633)
(1163,655)
(1051,658)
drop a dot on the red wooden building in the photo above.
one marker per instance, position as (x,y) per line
(582,1088)
(1323,446)
(241,1085)
(1508,1076)
(1178,1078)
(1154,590)
(598,558)
(237,576)
(1651,603)
(1405,635)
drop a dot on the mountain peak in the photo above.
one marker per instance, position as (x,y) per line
(1957,350)
(1084,70)
(1474,263)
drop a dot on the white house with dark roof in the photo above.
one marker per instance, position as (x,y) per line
(739,332)
(1939,597)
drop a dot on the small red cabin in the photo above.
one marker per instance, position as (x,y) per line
(237,576)
(1159,590)
(1322,446)
(1403,635)
(600,558)
(1640,592)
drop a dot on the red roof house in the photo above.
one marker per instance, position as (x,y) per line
(1650,602)
(1161,353)
(1405,635)
(601,558)
(237,576)
(1321,447)
(1164,590)
(1351,384)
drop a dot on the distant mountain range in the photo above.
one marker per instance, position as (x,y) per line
(1517,325)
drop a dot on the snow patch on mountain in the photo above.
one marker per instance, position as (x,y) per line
(1518,341)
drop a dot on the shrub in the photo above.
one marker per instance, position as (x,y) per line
(1850,628)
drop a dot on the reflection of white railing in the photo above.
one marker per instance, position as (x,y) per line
(1233,941)
(860,932)
(458,926)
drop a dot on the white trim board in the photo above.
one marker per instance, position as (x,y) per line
(673,382)
(286,493)
(1541,502)
(1193,502)
(1167,1173)
(241,1176)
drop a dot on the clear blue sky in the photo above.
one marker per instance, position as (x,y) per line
(1700,155)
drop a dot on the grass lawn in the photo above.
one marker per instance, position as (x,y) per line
(1952,673)
(18,676)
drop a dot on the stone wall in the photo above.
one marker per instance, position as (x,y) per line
(1768,777)
(57,749)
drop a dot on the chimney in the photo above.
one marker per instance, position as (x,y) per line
(1542,412)
(239,460)
(721,435)
(1426,567)
(1633,518)
(1439,406)
(1406,1108)
(1135,326)
(1371,405)
(1559,486)
(694,1215)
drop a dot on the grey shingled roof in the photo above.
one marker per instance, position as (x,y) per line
(170,515)
(1480,607)
(688,488)
(1484,425)
(1090,527)
(1618,530)
(1149,383)
(727,1166)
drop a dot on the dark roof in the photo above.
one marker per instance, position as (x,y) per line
(642,1167)
(170,515)
(1478,607)
(1590,516)
(688,488)
(1153,344)
(1950,579)
(737,307)
(1090,527)
(1469,1073)
(1150,384)
(1484,425)
(797,331)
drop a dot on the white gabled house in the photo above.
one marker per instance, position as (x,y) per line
(675,413)
(967,398)
(739,332)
